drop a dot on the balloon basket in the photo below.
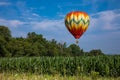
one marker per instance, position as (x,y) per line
(77,41)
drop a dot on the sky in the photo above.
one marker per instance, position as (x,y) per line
(46,17)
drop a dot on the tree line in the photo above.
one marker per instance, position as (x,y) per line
(36,45)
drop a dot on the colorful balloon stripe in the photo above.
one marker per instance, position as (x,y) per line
(77,23)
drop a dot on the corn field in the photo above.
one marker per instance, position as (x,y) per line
(106,66)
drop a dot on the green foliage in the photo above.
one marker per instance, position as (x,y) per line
(75,50)
(95,66)
(5,32)
(4,38)
(96,52)
(35,45)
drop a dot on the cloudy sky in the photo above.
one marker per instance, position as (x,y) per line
(46,17)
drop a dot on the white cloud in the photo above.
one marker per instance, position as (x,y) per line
(5,3)
(16,23)
(11,23)
(34,14)
(45,24)
(17,27)
(52,29)
(48,24)
(106,20)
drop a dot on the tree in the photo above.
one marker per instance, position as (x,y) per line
(5,36)
(95,52)
(38,44)
(75,50)
(52,48)
(15,47)
(5,32)
(3,51)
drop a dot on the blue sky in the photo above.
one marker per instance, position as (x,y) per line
(46,17)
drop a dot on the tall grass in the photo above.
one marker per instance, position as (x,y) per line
(28,76)
(102,65)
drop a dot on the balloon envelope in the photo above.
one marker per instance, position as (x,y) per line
(77,23)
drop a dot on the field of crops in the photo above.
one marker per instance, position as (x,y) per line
(105,66)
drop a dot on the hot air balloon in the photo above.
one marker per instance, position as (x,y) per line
(77,23)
